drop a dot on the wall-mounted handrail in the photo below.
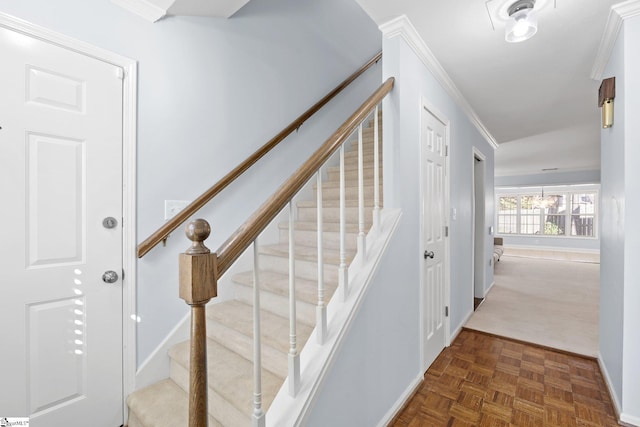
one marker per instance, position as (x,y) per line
(166,229)
(249,231)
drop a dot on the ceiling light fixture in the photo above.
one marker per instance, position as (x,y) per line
(523,22)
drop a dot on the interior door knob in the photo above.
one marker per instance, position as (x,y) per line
(429,254)
(110,277)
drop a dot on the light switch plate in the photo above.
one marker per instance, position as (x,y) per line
(172,207)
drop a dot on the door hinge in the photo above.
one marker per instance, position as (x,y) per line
(446,311)
(123,274)
(446,150)
(446,231)
(120,73)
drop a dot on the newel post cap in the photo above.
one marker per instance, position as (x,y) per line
(198,266)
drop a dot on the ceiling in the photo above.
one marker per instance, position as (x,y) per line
(535,97)
(154,10)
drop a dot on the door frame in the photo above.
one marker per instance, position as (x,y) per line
(477,154)
(129,132)
(430,108)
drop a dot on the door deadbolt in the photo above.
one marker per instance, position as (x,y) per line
(109,222)
(429,254)
(110,277)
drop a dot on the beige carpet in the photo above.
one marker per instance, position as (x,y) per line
(547,302)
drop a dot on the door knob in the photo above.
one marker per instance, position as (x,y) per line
(110,276)
(429,254)
(109,222)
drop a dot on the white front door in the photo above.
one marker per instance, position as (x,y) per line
(433,148)
(60,177)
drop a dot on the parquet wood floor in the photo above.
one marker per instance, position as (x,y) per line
(482,380)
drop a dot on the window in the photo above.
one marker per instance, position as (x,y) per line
(583,213)
(561,212)
(508,215)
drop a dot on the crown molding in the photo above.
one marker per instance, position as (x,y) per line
(402,26)
(618,13)
(143,8)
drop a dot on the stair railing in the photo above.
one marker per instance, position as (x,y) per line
(163,232)
(200,269)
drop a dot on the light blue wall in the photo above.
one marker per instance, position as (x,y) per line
(381,355)
(612,225)
(619,285)
(210,91)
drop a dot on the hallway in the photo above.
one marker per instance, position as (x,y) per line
(547,302)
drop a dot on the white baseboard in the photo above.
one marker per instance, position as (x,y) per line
(402,400)
(629,420)
(609,383)
(489,288)
(551,252)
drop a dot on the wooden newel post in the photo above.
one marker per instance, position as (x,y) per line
(198,284)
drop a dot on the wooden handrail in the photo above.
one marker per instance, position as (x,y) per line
(249,231)
(164,231)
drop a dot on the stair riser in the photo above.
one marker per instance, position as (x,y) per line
(332,214)
(352,156)
(305,269)
(368,148)
(368,131)
(352,166)
(330,240)
(219,407)
(278,304)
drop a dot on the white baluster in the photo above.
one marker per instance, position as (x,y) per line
(294,357)
(258,417)
(376,171)
(343,272)
(321,309)
(362,243)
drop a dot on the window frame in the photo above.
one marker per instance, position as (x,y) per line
(567,191)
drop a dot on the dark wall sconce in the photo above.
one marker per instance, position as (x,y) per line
(606,94)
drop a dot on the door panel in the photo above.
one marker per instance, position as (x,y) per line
(433,222)
(60,175)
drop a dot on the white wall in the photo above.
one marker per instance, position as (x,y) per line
(381,356)
(631,322)
(210,92)
(620,243)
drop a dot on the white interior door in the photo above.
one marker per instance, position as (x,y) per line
(433,149)
(60,177)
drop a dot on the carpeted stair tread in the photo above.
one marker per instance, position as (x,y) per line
(230,375)
(161,404)
(274,329)
(278,283)
(327,226)
(368,204)
(351,184)
(306,253)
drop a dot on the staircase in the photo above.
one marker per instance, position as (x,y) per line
(230,323)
